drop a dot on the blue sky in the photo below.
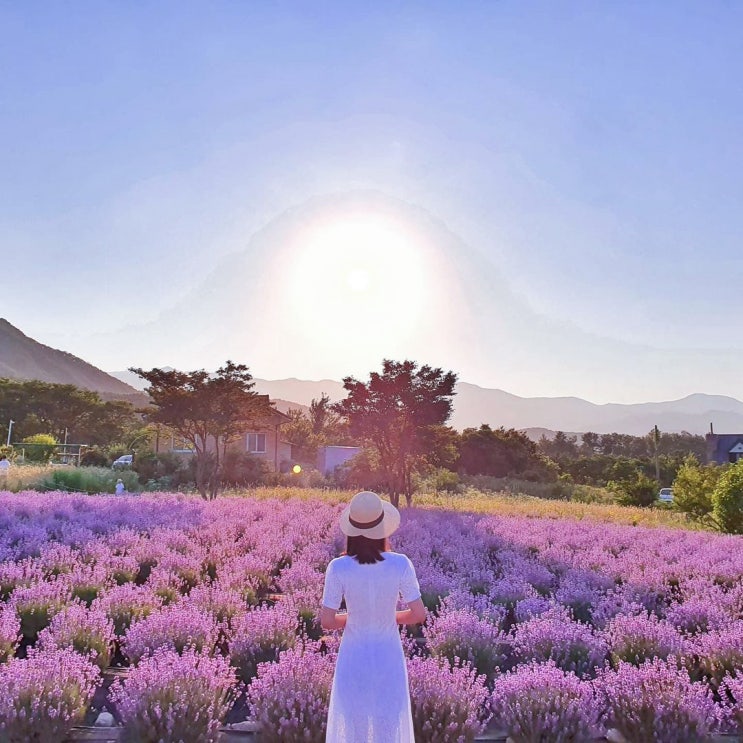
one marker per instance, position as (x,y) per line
(587,156)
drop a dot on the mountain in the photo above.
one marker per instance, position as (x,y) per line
(22,357)
(474,405)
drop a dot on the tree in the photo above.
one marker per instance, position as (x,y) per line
(497,453)
(727,499)
(693,487)
(639,490)
(392,413)
(210,411)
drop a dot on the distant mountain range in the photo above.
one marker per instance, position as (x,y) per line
(22,357)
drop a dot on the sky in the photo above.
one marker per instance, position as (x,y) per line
(541,196)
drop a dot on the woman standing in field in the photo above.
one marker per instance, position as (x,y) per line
(370,699)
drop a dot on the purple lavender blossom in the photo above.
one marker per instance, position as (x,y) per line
(657,701)
(10,633)
(635,639)
(175,697)
(45,695)
(540,702)
(449,703)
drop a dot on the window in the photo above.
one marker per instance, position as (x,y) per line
(257,443)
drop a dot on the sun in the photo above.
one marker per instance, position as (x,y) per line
(364,276)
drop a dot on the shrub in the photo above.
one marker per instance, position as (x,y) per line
(449,703)
(540,702)
(259,636)
(289,698)
(40,447)
(461,635)
(10,633)
(732,693)
(176,627)
(45,695)
(658,702)
(88,632)
(172,698)
(126,604)
(719,653)
(637,638)
(36,605)
(693,487)
(553,636)
(90,480)
(639,490)
(727,500)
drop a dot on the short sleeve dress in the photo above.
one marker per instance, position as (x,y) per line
(370,698)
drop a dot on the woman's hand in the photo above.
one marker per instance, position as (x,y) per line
(331,619)
(414,614)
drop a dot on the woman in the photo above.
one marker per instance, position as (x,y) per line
(370,700)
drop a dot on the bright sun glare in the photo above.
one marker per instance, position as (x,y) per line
(365,276)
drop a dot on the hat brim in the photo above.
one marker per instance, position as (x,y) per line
(388,525)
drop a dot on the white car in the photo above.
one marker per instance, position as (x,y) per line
(123,462)
(665,495)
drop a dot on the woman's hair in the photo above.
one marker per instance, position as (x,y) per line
(365,550)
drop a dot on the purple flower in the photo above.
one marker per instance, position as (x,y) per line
(175,697)
(657,701)
(45,695)
(10,633)
(449,703)
(289,698)
(635,639)
(541,702)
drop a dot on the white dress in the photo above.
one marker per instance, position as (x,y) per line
(370,699)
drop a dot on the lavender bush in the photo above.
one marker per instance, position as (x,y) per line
(657,701)
(126,604)
(635,639)
(541,703)
(259,636)
(44,695)
(449,703)
(88,632)
(731,690)
(176,627)
(10,633)
(175,698)
(289,698)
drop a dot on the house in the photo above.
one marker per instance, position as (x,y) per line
(262,440)
(723,448)
(331,457)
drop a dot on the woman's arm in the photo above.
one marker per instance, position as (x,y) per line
(414,614)
(331,619)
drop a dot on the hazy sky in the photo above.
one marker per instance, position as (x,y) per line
(583,163)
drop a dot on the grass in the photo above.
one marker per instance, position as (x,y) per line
(25,477)
(506,504)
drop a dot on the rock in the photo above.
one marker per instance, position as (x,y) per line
(104,720)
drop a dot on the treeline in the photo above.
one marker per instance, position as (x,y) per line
(43,411)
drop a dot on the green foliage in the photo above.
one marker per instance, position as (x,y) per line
(639,490)
(693,488)
(501,453)
(89,480)
(727,500)
(241,469)
(42,407)
(209,411)
(391,414)
(41,447)
(94,457)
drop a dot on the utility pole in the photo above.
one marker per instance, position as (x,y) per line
(10,430)
(656,442)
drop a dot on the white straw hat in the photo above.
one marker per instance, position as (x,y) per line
(369,516)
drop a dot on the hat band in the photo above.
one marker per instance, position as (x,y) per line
(366,524)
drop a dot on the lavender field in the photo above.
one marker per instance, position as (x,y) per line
(549,629)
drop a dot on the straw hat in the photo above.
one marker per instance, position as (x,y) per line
(369,516)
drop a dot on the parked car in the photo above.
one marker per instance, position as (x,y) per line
(665,495)
(123,462)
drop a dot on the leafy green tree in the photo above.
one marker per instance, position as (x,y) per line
(727,500)
(639,490)
(693,487)
(210,411)
(40,447)
(393,411)
(497,452)
(559,448)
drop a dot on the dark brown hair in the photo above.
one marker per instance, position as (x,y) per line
(366,551)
